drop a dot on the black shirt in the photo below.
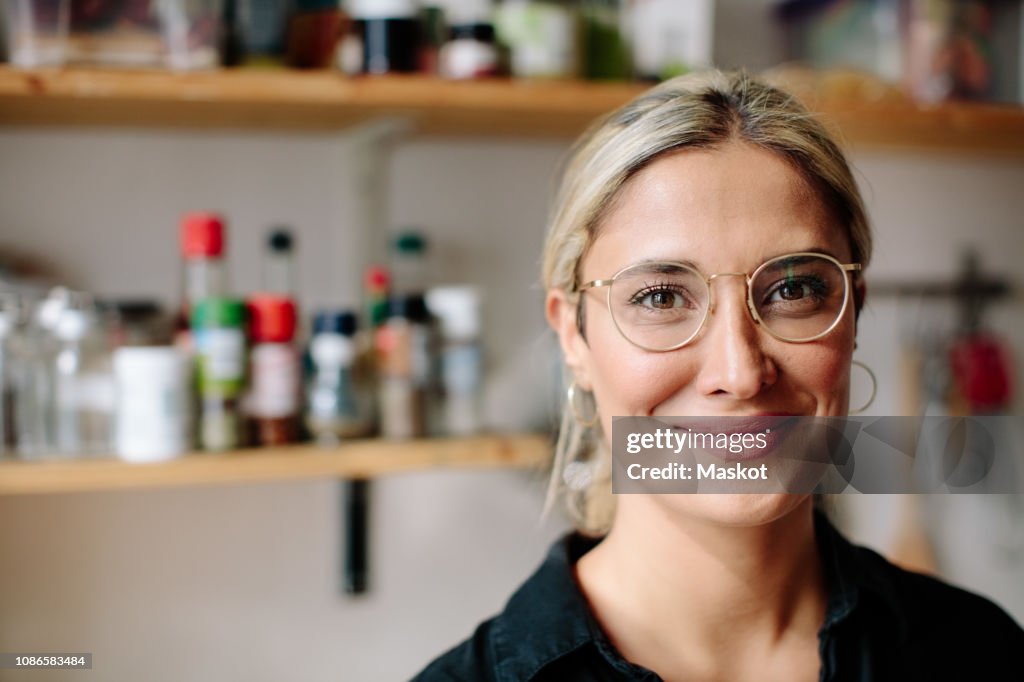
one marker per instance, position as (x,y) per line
(881,623)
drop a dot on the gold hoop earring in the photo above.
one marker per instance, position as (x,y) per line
(571,397)
(874,386)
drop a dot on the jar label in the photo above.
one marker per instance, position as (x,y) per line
(275,381)
(221,360)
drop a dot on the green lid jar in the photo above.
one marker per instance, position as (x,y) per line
(218,312)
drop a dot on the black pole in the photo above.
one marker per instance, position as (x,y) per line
(356,514)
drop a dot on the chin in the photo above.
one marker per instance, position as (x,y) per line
(734,510)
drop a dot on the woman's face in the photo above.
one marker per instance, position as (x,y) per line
(726,210)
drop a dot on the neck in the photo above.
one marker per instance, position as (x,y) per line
(661,578)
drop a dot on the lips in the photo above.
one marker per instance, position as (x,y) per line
(730,423)
(773,427)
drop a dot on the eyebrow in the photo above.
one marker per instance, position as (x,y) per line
(662,262)
(691,264)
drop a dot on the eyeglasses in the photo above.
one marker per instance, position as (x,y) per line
(662,306)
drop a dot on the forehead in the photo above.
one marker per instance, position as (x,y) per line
(726,210)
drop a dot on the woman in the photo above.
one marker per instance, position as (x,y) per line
(672,209)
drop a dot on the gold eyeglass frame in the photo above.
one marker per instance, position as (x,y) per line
(748,278)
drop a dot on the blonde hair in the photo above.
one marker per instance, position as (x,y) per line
(701,110)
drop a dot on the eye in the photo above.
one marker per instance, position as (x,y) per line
(792,291)
(797,290)
(661,297)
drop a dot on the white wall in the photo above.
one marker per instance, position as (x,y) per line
(241,582)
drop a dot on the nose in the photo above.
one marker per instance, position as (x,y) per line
(735,363)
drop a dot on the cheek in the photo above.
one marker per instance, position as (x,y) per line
(630,381)
(821,371)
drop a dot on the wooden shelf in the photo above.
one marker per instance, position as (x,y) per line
(324,101)
(355,459)
(302,101)
(952,127)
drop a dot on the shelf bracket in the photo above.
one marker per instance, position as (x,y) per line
(355,519)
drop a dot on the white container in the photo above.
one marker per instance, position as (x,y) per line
(152,418)
(458,309)
(671,37)
(190,30)
(37,31)
(471,53)
(542,35)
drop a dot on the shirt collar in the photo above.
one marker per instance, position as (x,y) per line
(856,578)
(548,617)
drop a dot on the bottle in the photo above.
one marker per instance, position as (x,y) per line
(205,272)
(470,52)
(279,263)
(606,52)
(265,25)
(389,34)
(337,403)
(231,41)
(153,394)
(313,32)
(405,351)
(218,327)
(272,404)
(409,263)
(376,297)
(458,310)
(433,31)
(376,291)
(34,350)
(84,393)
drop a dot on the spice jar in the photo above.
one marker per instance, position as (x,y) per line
(218,327)
(272,404)
(388,32)
(471,52)
(405,347)
(152,415)
(338,406)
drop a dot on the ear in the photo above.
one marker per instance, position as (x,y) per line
(561,314)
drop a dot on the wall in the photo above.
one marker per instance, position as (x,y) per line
(241,582)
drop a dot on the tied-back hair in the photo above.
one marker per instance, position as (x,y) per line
(702,110)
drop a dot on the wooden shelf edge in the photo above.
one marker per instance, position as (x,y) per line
(328,101)
(300,101)
(356,459)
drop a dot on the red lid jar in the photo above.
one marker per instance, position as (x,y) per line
(272,318)
(202,235)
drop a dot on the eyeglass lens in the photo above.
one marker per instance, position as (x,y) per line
(662,305)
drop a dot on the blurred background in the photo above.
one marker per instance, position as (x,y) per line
(177,191)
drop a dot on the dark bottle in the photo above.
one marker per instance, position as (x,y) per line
(390,34)
(232,37)
(279,262)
